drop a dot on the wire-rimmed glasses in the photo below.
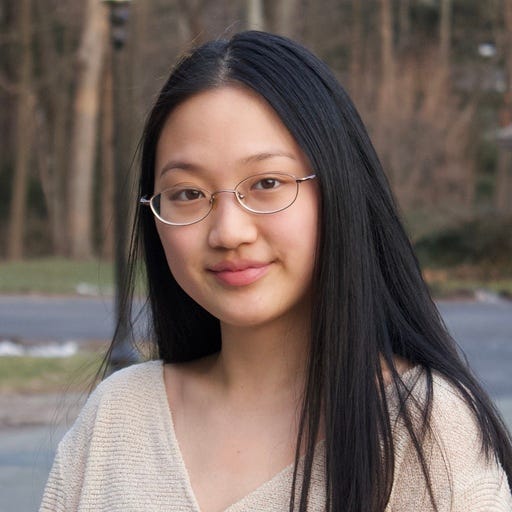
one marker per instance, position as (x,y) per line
(186,203)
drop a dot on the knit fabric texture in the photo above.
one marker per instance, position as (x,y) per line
(122,455)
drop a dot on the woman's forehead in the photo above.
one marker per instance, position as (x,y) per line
(224,126)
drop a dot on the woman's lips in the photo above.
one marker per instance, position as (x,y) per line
(238,273)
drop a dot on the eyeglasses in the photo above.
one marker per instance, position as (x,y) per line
(186,204)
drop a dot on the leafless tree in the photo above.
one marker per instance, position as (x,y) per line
(83,143)
(287,15)
(356,49)
(24,132)
(503,185)
(404,22)
(107,160)
(255,15)
(402,76)
(54,113)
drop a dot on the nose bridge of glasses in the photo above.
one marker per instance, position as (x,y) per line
(238,195)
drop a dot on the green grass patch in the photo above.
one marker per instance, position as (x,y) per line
(40,375)
(61,276)
(56,276)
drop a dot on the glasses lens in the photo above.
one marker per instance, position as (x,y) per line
(181,205)
(267,193)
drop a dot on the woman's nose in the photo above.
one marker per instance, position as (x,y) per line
(230,225)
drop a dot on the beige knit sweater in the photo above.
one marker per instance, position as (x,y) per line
(122,455)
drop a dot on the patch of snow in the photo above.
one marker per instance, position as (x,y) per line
(87,289)
(9,349)
(488,297)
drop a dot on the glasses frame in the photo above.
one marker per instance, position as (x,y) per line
(148,201)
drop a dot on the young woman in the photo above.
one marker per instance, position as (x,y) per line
(302,364)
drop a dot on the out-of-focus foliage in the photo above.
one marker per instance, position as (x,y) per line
(486,242)
(430,77)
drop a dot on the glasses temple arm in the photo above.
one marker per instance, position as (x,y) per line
(310,177)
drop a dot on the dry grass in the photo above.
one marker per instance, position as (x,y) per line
(45,375)
(462,281)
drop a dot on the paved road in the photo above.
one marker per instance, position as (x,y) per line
(483,330)
(36,318)
(26,455)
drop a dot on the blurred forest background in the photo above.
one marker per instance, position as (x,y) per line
(431,78)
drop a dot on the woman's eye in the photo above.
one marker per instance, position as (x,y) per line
(266,183)
(185,194)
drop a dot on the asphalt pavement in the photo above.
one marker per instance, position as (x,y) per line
(26,455)
(40,318)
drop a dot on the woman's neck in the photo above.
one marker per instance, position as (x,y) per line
(262,363)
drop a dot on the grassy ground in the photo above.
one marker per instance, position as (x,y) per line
(42,375)
(56,276)
(60,276)
(462,288)
(464,281)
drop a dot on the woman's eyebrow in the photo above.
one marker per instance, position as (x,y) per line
(258,157)
(179,164)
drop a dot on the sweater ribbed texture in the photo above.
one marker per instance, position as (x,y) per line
(122,455)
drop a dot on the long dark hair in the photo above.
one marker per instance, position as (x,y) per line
(370,302)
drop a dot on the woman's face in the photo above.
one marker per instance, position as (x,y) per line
(246,269)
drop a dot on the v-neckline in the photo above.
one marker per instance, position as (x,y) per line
(247,500)
(180,461)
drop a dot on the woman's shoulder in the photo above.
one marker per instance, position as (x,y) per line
(461,473)
(448,403)
(125,397)
(132,379)
(448,420)
(451,414)
(123,429)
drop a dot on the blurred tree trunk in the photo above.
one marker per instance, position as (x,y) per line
(404,23)
(439,81)
(61,155)
(356,55)
(286,15)
(127,64)
(191,22)
(445,35)
(255,15)
(386,91)
(441,93)
(83,143)
(55,104)
(387,55)
(135,62)
(8,89)
(503,183)
(107,160)
(24,132)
